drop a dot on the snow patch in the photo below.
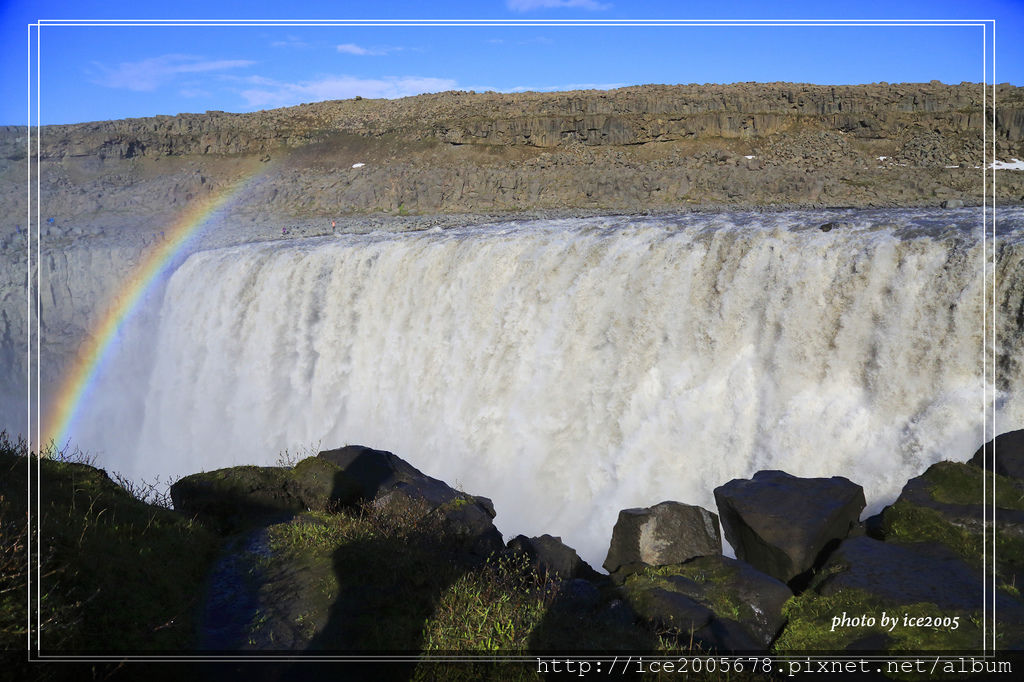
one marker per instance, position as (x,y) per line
(1013,164)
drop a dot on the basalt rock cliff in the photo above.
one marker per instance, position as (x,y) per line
(651,147)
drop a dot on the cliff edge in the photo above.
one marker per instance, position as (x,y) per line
(650,147)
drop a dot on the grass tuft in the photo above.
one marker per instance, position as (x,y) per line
(117,573)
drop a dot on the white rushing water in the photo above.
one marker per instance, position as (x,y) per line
(569,369)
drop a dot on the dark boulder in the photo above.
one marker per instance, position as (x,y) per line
(667,533)
(386,480)
(784,525)
(374,472)
(1008,450)
(720,603)
(239,496)
(580,592)
(551,557)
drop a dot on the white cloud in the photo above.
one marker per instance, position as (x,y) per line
(149,74)
(271,93)
(529,5)
(292,42)
(352,48)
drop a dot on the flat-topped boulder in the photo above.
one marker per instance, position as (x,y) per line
(783,525)
(667,533)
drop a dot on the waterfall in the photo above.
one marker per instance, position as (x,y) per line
(572,368)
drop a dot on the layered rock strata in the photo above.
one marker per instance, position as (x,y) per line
(638,148)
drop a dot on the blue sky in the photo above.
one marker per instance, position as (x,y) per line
(95,73)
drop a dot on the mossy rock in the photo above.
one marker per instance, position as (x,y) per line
(944,505)
(865,580)
(361,580)
(722,603)
(851,620)
(961,484)
(240,496)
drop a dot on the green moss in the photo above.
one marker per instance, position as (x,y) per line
(810,624)
(716,581)
(908,523)
(455,504)
(313,534)
(959,483)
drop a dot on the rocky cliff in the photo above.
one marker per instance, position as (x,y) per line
(648,147)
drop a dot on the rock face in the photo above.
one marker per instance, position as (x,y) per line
(1008,451)
(631,149)
(781,524)
(667,533)
(631,115)
(386,479)
(723,604)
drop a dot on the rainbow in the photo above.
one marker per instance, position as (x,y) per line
(99,345)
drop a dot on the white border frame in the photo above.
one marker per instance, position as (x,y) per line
(34,383)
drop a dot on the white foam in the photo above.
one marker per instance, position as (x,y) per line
(358,165)
(575,368)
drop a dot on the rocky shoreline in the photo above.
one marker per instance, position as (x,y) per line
(355,555)
(808,573)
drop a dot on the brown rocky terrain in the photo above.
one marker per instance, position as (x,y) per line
(640,148)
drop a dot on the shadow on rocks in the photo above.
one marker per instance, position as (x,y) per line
(585,613)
